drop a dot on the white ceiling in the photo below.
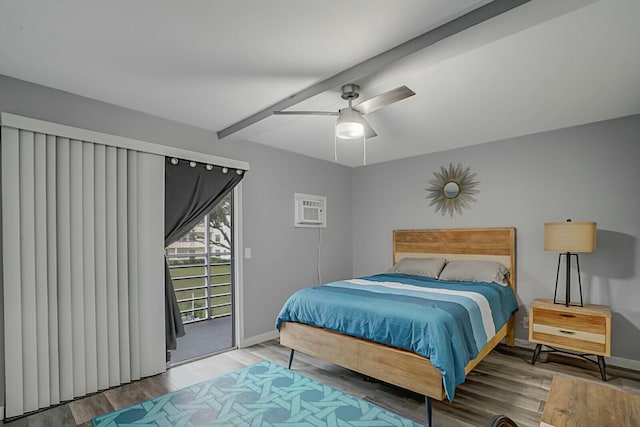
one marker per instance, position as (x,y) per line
(542,66)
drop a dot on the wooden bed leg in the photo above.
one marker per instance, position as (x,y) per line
(291,357)
(511,331)
(427,403)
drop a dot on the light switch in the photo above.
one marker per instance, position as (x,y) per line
(247,253)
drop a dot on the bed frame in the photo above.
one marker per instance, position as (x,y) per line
(399,367)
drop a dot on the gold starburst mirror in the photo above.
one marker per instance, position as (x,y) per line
(452,189)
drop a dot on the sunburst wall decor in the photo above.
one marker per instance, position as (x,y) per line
(452,189)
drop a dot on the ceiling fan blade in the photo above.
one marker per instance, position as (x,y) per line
(384,99)
(368,130)
(306,113)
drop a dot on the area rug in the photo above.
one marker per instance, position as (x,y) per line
(264,394)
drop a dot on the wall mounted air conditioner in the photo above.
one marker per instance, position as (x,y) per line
(310,210)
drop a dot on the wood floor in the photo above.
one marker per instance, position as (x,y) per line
(504,383)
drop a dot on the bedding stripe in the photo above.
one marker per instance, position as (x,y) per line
(386,325)
(476,304)
(502,299)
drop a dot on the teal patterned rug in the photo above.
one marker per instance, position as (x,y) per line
(264,394)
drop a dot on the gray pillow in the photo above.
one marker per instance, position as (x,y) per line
(427,267)
(475,271)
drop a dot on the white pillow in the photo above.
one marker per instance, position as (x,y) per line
(426,267)
(475,271)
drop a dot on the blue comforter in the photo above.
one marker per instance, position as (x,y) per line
(447,322)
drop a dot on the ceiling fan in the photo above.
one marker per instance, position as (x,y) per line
(351,123)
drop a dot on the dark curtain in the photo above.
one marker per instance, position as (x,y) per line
(190,193)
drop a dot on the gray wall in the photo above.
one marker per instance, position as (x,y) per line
(283,258)
(587,173)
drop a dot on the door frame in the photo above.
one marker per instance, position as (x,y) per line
(238,256)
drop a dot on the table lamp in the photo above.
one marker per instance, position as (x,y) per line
(569,238)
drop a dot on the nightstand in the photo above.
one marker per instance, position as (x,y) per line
(583,331)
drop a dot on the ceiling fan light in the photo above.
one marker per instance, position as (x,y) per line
(349,124)
(349,130)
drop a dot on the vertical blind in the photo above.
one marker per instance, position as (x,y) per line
(82,258)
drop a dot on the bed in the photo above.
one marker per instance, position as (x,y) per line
(394,365)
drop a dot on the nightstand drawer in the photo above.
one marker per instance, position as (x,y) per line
(569,321)
(570,338)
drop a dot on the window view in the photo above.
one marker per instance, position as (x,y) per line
(200,266)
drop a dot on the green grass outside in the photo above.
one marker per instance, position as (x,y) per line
(219,274)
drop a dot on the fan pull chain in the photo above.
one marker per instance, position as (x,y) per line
(335,144)
(364,150)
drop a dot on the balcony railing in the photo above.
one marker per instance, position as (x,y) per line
(202,283)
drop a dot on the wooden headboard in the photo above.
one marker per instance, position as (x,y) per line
(494,243)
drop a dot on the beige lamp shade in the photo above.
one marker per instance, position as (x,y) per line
(570,236)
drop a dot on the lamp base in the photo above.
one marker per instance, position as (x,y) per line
(568,304)
(567,294)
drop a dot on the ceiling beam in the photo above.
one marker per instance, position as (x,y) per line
(377,62)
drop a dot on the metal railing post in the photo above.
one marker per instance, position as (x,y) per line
(207,266)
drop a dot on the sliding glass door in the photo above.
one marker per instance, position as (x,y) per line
(201,268)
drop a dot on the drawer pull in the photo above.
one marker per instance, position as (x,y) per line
(567,332)
(567,315)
